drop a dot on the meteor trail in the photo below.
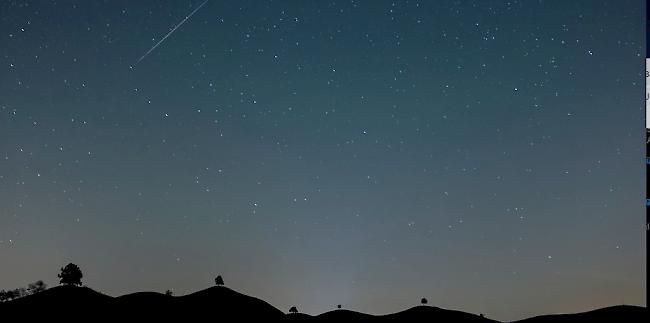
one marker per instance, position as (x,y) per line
(169,33)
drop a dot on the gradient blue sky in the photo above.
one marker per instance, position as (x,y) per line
(486,155)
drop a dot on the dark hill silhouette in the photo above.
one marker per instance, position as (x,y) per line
(218,302)
(221,304)
(433,314)
(58,303)
(415,314)
(299,317)
(222,300)
(142,303)
(345,316)
(144,298)
(62,297)
(620,313)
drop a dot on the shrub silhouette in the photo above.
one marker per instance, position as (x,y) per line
(7,295)
(218,281)
(338,306)
(293,310)
(36,287)
(31,289)
(20,292)
(13,294)
(424,301)
(70,275)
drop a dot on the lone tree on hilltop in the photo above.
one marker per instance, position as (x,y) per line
(424,301)
(338,306)
(293,310)
(70,275)
(218,281)
(169,293)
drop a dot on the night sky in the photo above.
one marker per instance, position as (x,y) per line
(487,156)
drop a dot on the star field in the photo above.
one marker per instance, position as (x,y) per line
(485,155)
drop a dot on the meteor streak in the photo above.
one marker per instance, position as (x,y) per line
(169,33)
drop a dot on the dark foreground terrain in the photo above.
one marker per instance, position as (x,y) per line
(221,304)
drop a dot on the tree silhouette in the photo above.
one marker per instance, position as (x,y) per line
(293,310)
(36,287)
(169,292)
(12,294)
(32,288)
(15,293)
(424,301)
(70,275)
(338,306)
(218,281)
(9,295)
(20,292)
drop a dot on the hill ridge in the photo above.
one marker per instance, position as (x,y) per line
(227,305)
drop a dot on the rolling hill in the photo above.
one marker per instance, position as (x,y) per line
(620,313)
(222,304)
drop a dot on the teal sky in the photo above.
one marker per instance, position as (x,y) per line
(485,155)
